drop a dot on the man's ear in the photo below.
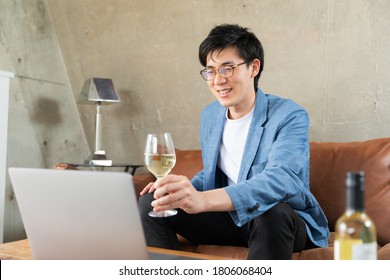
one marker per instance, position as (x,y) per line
(255,67)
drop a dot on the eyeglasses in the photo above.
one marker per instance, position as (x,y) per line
(226,71)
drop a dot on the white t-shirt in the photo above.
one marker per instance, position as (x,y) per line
(232,146)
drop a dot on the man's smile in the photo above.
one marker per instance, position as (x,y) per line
(224,92)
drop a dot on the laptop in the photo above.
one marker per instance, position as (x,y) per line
(75,215)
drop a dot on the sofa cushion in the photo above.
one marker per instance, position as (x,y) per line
(329,163)
(384,252)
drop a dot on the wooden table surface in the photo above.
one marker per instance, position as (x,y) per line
(20,250)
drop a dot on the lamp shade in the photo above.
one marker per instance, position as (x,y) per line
(98,89)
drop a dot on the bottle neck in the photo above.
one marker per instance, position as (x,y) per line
(355,199)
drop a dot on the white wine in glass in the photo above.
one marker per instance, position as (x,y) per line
(160,158)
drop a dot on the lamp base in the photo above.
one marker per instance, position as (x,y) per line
(99,158)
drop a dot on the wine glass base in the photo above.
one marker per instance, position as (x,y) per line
(163,214)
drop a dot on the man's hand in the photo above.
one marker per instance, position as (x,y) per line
(173,191)
(148,189)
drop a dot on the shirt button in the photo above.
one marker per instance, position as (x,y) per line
(253,208)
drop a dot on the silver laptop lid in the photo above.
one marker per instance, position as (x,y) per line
(70,214)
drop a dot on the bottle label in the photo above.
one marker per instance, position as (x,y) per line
(354,249)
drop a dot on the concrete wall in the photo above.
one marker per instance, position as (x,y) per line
(330,56)
(44,124)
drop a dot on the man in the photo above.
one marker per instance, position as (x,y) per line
(254,188)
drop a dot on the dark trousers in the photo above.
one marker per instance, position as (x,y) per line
(275,234)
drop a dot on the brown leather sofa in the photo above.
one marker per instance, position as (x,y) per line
(329,163)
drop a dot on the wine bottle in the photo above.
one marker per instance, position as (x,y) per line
(355,231)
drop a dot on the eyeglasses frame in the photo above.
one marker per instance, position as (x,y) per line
(216,70)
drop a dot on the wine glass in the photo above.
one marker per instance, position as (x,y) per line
(160,158)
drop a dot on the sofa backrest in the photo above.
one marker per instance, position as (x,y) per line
(188,162)
(329,163)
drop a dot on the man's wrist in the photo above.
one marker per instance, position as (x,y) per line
(216,200)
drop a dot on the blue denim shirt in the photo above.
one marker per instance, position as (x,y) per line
(274,166)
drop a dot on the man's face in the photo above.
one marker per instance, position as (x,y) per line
(236,92)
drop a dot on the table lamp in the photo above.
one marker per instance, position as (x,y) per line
(98,90)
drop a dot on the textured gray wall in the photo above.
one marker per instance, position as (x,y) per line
(330,56)
(44,124)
